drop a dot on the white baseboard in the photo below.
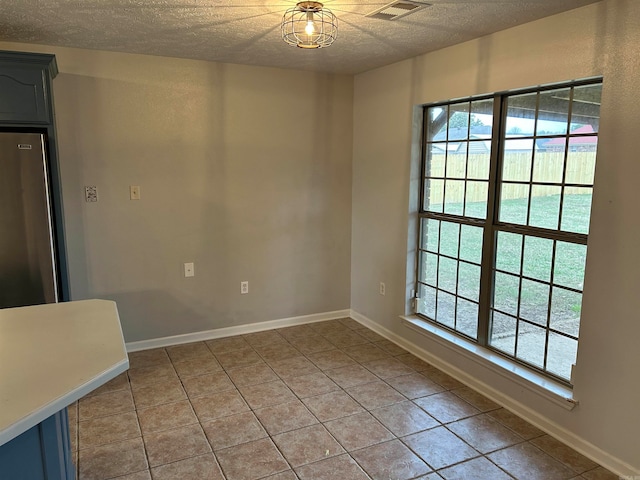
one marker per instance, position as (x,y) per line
(237,330)
(582,446)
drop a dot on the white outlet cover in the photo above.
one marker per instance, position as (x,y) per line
(189,270)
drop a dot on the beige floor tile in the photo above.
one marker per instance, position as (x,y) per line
(390,460)
(142,475)
(207,384)
(566,455)
(484,433)
(121,382)
(158,393)
(285,417)
(265,394)
(351,376)
(238,358)
(148,358)
(269,337)
(188,351)
(166,417)
(477,468)
(277,352)
(172,445)
(365,352)
(391,348)
(110,429)
(439,447)
(210,407)
(358,431)
(527,462)
(261,373)
(329,328)
(345,339)
(233,430)
(388,368)
(369,334)
(193,367)
(297,331)
(293,367)
(413,362)
(476,399)
(446,407)
(251,461)
(287,475)
(375,394)
(600,473)
(350,323)
(112,460)
(404,418)
(331,359)
(515,423)
(203,467)
(342,467)
(306,445)
(142,377)
(332,405)
(228,344)
(311,385)
(438,376)
(105,404)
(414,385)
(311,344)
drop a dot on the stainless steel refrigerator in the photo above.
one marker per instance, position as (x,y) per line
(27,256)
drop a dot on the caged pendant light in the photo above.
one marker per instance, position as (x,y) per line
(309,25)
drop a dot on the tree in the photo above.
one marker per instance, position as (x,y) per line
(461,120)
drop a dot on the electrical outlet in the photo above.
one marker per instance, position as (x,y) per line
(91,193)
(244,288)
(189,270)
(383,288)
(134,192)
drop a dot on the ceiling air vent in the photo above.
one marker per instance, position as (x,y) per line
(397,9)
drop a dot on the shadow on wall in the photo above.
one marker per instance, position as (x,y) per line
(157,311)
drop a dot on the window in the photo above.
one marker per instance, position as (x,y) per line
(504,219)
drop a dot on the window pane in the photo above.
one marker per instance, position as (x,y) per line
(436,160)
(429,272)
(506,293)
(514,203)
(509,252)
(585,109)
(437,123)
(481,118)
(565,311)
(433,195)
(538,253)
(521,113)
(553,114)
(548,166)
(456,165)
(467,318)
(476,199)
(449,235)
(454,197)
(459,121)
(469,281)
(576,210)
(581,165)
(561,355)
(503,333)
(471,244)
(531,342)
(479,159)
(534,301)
(445,313)
(569,264)
(427,301)
(545,206)
(430,234)
(516,161)
(447,274)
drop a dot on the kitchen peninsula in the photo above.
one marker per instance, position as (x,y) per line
(50,356)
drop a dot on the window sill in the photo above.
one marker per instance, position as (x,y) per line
(533,381)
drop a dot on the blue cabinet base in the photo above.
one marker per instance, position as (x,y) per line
(41,453)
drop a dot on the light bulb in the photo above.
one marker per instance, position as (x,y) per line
(310,29)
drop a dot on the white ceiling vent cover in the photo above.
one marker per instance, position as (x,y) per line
(397,9)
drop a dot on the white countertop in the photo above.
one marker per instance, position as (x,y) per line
(52,355)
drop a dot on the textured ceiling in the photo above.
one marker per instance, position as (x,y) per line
(248,32)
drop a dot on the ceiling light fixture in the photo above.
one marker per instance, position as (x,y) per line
(309,25)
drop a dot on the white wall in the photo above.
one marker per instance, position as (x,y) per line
(245,171)
(601,39)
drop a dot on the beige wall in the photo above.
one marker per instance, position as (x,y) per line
(244,171)
(601,39)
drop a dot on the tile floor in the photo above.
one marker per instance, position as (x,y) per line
(330,400)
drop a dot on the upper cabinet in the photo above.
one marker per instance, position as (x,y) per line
(25,87)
